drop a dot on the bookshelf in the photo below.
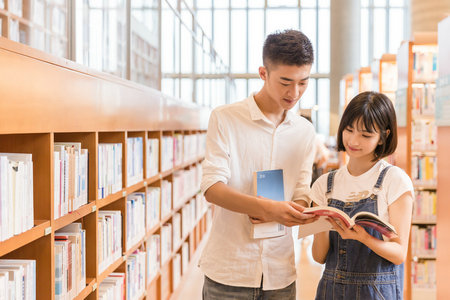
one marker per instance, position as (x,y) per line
(384,75)
(50,100)
(347,90)
(443,132)
(416,154)
(363,79)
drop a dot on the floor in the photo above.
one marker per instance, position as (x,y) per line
(308,271)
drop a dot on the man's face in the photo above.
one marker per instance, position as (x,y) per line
(285,84)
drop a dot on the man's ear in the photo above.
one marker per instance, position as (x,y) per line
(263,73)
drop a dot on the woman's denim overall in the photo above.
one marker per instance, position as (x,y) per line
(352,270)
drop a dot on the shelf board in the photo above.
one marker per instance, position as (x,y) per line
(424,221)
(423,186)
(134,247)
(110,269)
(133,188)
(152,179)
(17,241)
(84,210)
(423,152)
(111,198)
(424,256)
(87,290)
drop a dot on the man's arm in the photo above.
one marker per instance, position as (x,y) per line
(265,210)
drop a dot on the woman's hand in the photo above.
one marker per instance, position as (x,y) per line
(357,232)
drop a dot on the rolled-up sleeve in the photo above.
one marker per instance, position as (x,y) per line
(216,166)
(302,188)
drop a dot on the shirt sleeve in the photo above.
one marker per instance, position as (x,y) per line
(318,191)
(398,183)
(302,188)
(216,165)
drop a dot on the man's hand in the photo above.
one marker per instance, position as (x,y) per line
(287,213)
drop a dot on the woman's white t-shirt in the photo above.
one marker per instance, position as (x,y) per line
(348,188)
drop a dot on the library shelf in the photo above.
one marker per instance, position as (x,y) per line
(443,137)
(415,69)
(49,88)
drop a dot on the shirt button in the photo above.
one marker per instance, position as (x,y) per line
(342,251)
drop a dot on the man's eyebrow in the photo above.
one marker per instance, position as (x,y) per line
(289,79)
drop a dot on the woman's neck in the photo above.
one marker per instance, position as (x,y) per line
(360,166)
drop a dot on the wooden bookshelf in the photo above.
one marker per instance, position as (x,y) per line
(443,190)
(46,100)
(363,79)
(408,78)
(384,75)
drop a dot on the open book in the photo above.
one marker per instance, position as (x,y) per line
(363,218)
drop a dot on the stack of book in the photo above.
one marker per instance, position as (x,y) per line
(17,279)
(135,160)
(71,177)
(16,194)
(135,218)
(109,169)
(70,261)
(109,237)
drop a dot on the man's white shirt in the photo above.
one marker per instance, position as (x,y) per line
(240,141)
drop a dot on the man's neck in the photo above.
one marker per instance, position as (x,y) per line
(270,109)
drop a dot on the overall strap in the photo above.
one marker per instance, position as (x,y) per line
(330,181)
(381,178)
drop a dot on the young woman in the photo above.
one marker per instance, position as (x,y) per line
(360,263)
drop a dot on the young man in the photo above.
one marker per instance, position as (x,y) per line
(259,133)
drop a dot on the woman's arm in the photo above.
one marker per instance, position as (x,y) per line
(394,249)
(320,246)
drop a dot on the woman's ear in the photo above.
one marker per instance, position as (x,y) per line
(387,134)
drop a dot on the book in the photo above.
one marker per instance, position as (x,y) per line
(363,218)
(268,184)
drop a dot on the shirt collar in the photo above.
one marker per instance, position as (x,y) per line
(257,114)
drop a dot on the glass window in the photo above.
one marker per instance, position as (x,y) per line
(323,48)
(395,29)
(308,100)
(203,3)
(167,86)
(238,4)
(308,27)
(255,39)
(204,19)
(255,85)
(280,19)
(186,45)
(239,41)
(323,114)
(364,37)
(167,44)
(285,3)
(199,92)
(324,4)
(379,34)
(186,89)
(379,3)
(396,3)
(221,33)
(307,3)
(255,3)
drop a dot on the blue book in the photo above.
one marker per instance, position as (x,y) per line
(269,184)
